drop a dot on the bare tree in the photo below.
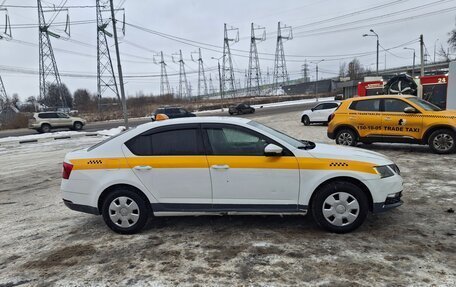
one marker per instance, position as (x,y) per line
(444,54)
(342,69)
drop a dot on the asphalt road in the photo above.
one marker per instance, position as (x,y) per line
(96,126)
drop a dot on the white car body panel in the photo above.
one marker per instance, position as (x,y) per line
(232,186)
(319,115)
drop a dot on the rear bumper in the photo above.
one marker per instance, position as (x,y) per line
(81,208)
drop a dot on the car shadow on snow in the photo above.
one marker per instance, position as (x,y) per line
(396,147)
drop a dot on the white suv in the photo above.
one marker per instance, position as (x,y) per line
(46,121)
(216,166)
(319,114)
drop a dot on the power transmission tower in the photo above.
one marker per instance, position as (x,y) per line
(201,75)
(106,78)
(211,86)
(7,31)
(305,71)
(3,96)
(254,72)
(280,76)
(183,84)
(228,82)
(164,83)
(49,74)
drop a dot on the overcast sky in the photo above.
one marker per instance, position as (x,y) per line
(317,35)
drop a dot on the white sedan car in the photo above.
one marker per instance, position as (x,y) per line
(319,114)
(218,165)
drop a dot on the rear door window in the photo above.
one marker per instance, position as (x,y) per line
(366,105)
(186,141)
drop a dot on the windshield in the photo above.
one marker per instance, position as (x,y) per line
(286,138)
(427,106)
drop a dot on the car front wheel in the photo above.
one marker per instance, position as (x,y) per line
(443,141)
(125,212)
(346,137)
(340,207)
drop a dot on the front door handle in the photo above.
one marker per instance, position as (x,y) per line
(143,167)
(387,119)
(220,166)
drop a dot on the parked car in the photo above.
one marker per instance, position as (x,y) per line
(394,119)
(172,113)
(44,122)
(217,166)
(240,109)
(319,114)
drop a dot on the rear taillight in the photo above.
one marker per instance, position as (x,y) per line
(67,168)
(331,116)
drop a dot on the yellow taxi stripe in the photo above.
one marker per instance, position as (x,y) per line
(258,162)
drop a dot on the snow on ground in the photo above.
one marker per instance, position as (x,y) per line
(44,243)
(53,135)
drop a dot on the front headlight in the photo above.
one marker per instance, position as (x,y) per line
(384,171)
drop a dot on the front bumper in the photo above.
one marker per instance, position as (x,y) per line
(390,202)
(331,135)
(81,208)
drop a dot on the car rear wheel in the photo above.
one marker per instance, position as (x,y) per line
(346,137)
(443,141)
(340,207)
(77,126)
(305,120)
(45,128)
(125,212)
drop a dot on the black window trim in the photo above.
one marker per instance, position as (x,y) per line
(205,126)
(197,127)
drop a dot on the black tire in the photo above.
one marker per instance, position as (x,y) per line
(45,128)
(346,137)
(231,113)
(253,111)
(442,141)
(143,211)
(77,126)
(347,217)
(305,120)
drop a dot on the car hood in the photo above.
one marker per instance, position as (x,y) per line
(348,153)
(445,113)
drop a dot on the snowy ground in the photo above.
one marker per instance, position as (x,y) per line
(43,243)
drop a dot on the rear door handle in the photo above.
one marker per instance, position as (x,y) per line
(143,167)
(220,166)
(387,119)
(352,118)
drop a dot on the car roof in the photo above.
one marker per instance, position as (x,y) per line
(222,120)
(380,97)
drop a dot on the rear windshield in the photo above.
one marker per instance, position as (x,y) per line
(107,140)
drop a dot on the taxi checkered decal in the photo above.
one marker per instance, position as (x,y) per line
(338,164)
(95,161)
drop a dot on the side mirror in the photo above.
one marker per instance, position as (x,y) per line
(312,109)
(273,150)
(410,110)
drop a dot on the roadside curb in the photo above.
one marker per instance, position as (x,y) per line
(50,138)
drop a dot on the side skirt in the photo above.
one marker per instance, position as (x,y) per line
(181,209)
